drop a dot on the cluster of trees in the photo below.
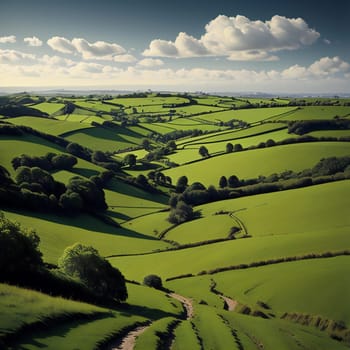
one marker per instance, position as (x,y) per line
(326,170)
(83,274)
(11,130)
(302,127)
(159,178)
(50,161)
(160,152)
(36,189)
(16,110)
(181,212)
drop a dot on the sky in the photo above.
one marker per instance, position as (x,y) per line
(290,46)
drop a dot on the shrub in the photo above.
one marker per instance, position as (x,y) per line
(85,264)
(19,251)
(153,281)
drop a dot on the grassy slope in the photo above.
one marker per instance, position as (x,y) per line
(49,126)
(256,333)
(11,147)
(20,307)
(260,246)
(104,139)
(48,107)
(248,164)
(58,232)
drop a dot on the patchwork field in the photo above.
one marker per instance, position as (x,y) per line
(239,267)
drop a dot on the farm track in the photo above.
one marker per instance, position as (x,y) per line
(128,342)
(231,304)
(186,302)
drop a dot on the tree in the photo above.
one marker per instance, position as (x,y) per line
(233,181)
(182,213)
(181,184)
(130,160)
(85,263)
(223,182)
(146,144)
(64,161)
(153,281)
(71,202)
(92,196)
(237,147)
(203,151)
(19,251)
(229,147)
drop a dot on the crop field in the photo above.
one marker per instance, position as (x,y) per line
(147,101)
(49,126)
(48,107)
(218,267)
(252,115)
(249,164)
(103,139)
(317,112)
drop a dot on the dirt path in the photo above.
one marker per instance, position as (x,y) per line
(230,303)
(129,340)
(186,302)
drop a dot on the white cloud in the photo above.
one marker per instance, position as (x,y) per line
(56,61)
(150,62)
(10,39)
(14,56)
(252,55)
(127,58)
(61,44)
(18,69)
(33,41)
(327,65)
(229,36)
(99,50)
(326,41)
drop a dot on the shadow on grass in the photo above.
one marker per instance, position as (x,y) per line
(83,221)
(126,189)
(118,216)
(144,166)
(35,334)
(84,172)
(140,310)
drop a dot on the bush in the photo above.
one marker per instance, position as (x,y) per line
(153,281)
(19,253)
(85,264)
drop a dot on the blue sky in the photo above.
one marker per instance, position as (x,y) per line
(271,46)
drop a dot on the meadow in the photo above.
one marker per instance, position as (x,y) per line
(281,257)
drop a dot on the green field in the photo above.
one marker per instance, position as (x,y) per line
(49,126)
(48,107)
(249,164)
(270,253)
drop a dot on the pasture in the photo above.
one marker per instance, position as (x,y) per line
(263,161)
(284,233)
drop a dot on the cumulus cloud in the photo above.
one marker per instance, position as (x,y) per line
(252,55)
(10,39)
(14,56)
(327,65)
(61,44)
(229,36)
(33,41)
(127,58)
(150,62)
(99,50)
